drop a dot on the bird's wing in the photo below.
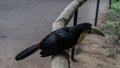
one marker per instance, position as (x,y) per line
(56,42)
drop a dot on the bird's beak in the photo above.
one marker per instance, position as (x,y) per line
(97,31)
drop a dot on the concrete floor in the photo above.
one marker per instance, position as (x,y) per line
(24,22)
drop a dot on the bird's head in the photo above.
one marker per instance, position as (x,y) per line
(87,28)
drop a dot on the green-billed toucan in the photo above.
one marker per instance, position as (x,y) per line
(60,40)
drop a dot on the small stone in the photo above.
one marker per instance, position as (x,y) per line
(118,41)
(3,36)
(118,51)
(95,45)
(111,56)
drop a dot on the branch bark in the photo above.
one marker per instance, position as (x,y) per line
(67,14)
(62,60)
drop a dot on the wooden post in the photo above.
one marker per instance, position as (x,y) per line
(62,60)
(97,11)
(110,4)
(74,23)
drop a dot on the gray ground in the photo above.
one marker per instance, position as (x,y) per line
(24,22)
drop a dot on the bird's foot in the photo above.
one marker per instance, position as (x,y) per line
(74,60)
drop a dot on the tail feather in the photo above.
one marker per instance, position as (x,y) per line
(25,53)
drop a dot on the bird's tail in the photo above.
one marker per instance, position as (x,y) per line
(27,52)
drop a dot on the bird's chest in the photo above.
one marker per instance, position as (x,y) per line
(82,37)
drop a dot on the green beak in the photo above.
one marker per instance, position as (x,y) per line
(97,31)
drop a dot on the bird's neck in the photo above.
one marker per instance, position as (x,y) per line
(82,37)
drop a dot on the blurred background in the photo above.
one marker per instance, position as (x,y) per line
(24,22)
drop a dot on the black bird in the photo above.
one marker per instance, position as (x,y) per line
(60,40)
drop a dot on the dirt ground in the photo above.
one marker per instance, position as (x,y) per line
(23,22)
(98,52)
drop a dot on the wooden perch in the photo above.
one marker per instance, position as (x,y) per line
(62,60)
(67,14)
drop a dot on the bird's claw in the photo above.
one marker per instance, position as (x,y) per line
(74,60)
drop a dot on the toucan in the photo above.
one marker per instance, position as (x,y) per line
(61,40)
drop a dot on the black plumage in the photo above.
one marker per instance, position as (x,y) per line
(62,39)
